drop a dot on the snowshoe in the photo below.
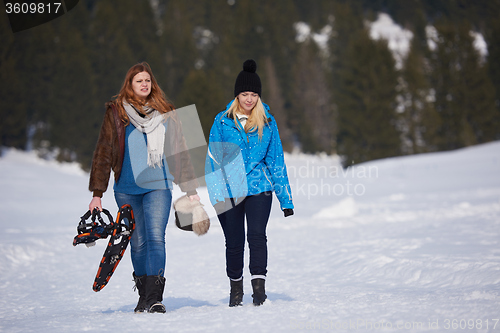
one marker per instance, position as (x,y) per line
(122,231)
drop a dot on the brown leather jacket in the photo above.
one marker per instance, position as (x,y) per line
(110,150)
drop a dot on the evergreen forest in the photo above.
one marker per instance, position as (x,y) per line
(348,96)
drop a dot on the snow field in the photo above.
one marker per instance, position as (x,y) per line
(416,251)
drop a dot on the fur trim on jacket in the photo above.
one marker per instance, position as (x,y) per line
(190,215)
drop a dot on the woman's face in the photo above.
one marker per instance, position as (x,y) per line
(141,85)
(247,100)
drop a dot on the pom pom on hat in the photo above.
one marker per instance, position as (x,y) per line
(248,79)
(250,66)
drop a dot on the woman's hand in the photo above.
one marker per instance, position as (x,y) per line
(95,203)
(194,197)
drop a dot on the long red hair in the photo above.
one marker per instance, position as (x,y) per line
(156,99)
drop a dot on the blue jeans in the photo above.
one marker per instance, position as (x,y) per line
(151,211)
(256,208)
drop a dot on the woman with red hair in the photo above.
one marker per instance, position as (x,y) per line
(139,127)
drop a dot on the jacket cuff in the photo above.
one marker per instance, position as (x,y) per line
(193,192)
(98,193)
(287,206)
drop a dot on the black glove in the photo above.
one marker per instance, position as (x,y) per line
(287,212)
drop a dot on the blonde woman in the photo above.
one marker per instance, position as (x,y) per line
(245,165)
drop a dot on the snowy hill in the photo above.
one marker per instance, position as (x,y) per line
(404,243)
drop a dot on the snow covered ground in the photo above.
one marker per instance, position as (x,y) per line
(402,244)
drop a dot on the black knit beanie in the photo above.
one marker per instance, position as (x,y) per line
(248,80)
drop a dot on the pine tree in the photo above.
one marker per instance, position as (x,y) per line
(280,45)
(198,89)
(223,60)
(419,118)
(313,118)
(491,30)
(249,25)
(13,127)
(72,94)
(56,77)
(34,64)
(274,98)
(178,49)
(122,33)
(464,92)
(347,23)
(366,102)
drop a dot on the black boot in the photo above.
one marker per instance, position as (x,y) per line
(155,284)
(259,291)
(140,285)
(236,294)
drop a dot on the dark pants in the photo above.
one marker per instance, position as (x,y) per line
(256,208)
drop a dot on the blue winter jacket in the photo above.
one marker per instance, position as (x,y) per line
(240,164)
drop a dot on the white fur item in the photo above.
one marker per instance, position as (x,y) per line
(201,221)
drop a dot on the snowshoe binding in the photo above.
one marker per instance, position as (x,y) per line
(89,232)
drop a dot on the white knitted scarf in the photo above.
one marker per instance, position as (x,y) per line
(152,126)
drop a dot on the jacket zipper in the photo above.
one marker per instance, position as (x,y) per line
(242,129)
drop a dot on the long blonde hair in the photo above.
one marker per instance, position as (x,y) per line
(255,122)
